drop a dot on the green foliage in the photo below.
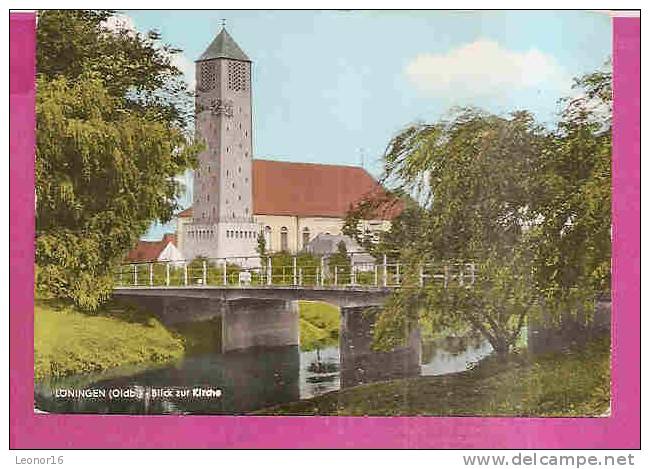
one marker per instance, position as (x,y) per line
(135,67)
(471,176)
(573,384)
(496,305)
(282,267)
(530,206)
(572,242)
(341,260)
(404,230)
(110,140)
(68,341)
(319,324)
(261,246)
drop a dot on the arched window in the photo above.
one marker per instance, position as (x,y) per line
(284,239)
(305,237)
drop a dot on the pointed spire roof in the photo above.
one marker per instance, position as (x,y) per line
(223,47)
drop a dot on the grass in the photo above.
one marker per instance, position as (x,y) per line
(68,341)
(575,383)
(319,324)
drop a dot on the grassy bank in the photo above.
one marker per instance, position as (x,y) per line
(319,324)
(570,384)
(68,341)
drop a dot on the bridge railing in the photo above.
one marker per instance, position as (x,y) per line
(260,272)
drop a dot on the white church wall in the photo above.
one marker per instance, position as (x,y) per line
(316,226)
(277,223)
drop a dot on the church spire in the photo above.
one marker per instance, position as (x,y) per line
(223,47)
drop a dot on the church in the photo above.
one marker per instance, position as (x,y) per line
(238,197)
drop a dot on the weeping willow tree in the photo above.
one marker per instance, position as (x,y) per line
(529,206)
(470,178)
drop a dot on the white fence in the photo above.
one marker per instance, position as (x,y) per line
(297,271)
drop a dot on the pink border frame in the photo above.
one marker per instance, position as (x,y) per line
(621,430)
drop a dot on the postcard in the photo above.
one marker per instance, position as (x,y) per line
(326,214)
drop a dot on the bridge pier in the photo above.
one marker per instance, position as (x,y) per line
(244,322)
(259,323)
(360,364)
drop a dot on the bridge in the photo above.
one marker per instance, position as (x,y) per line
(253,302)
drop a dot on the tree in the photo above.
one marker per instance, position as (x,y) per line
(530,206)
(341,261)
(110,141)
(496,305)
(405,227)
(572,240)
(135,67)
(471,176)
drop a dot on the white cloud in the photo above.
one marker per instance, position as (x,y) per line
(186,66)
(120,22)
(484,68)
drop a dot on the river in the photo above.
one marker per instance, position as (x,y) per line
(247,380)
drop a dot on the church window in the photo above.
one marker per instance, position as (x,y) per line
(284,239)
(208,75)
(237,76)
(246,210)
(233,185)
(305,237)
(233,214)
(267,237)
(239,197)
(239,169)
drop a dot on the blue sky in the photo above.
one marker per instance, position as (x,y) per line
(331,86)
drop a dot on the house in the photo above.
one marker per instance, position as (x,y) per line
(325,244)
(153,251)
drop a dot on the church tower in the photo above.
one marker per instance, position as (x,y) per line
(222,224)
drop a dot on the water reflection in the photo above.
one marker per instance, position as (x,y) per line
(452,354)
(249,380)
(319,371)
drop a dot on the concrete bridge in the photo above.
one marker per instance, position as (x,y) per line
(255,305)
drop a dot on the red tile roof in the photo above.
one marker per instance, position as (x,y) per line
(185,213)
(147,251)
(312,190)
